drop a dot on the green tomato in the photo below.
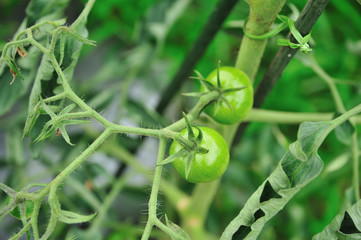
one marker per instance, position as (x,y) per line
(205,167)
(16,212)
(241,101)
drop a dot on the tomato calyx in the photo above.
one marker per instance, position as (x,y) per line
(218,88)
(190,147)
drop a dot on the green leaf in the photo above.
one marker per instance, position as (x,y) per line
(72,217)
(300,165)
(344,131)
(176,229)
(47,131)
(31,119)
(344,226)
(13,67)
(36,10)
(312,134)
(14,148)
(44,73)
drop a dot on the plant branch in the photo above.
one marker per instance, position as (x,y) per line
(280,117)
(308,17)
(262,15)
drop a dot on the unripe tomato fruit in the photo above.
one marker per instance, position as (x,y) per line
(205,167)
(241,101)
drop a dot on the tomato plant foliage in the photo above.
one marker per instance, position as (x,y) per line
(81,81)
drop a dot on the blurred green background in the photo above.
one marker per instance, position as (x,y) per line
(123,78)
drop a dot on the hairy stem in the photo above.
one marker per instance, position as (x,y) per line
(75,164)
(262,14)
(152,204)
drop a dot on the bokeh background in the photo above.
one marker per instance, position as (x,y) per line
(139,49)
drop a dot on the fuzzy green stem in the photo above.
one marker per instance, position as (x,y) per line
(21,232)
(75,164)
(194,113)
(280,117)
(262,15)
(152,204)
(84,14)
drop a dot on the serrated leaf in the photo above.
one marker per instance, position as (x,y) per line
(47,131)
(312,134)
(346,225)
(344,131)
(302,172)
(296,169)
(297,151)
(72,217)
(31,119)
(175,228)
(34,11)
(44,73)
(13,66)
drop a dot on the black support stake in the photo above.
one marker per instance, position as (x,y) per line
(214,23)
(308,17)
